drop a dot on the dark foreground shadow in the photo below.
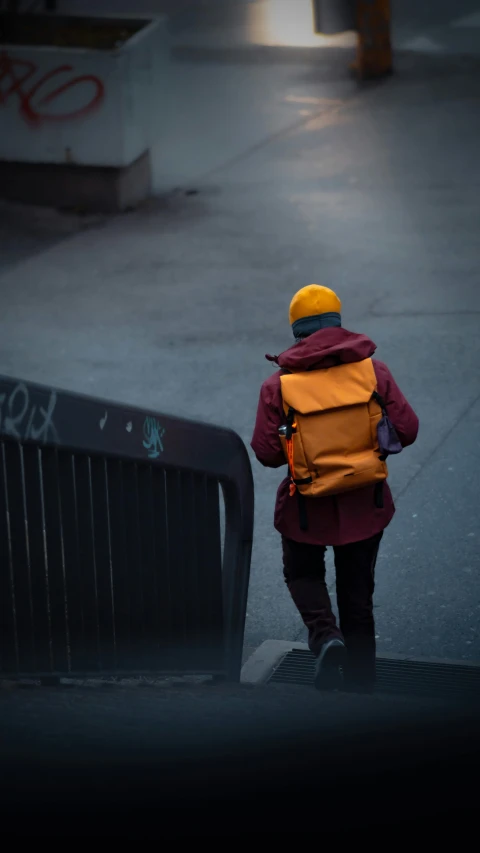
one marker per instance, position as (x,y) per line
(234,762)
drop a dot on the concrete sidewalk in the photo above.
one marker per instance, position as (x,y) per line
(245,70)
(372,191)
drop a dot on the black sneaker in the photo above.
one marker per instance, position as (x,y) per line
(329,666)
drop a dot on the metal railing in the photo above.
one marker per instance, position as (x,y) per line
(110,539)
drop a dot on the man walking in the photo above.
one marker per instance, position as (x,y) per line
(334,415)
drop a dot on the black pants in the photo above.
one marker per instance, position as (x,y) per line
(304,570)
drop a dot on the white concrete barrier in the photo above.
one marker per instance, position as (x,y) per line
(82,107)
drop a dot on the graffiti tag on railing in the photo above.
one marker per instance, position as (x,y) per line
(22,420)
(34,99)
(153,434)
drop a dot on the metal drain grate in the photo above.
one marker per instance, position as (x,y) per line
(457,682)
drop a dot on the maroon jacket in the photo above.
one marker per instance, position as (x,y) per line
(334,519)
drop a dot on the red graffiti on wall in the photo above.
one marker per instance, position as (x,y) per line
(16,73)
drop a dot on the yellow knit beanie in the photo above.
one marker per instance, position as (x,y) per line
(314,307)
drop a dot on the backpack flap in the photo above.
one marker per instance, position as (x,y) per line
(330,387)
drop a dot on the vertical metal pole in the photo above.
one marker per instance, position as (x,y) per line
(374,49)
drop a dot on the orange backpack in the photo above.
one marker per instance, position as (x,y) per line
(330,439)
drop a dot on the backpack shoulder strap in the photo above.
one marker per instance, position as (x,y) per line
(381,402)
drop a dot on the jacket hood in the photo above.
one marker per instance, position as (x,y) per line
(325,348)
